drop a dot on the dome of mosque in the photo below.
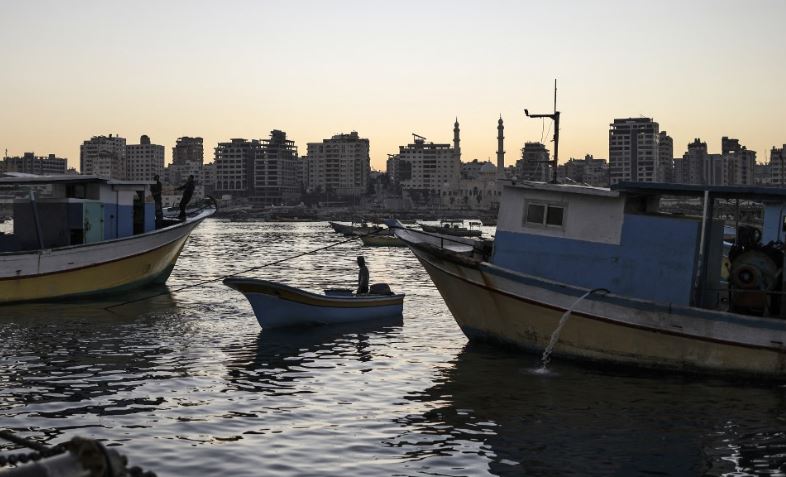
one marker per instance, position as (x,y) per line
(488,168)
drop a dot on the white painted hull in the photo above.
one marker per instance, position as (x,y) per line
(494,304)
(276,305)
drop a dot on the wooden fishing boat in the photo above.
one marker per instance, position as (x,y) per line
(668,307)
(381,241)
(354,230)
(89,236)
(454,227)
(278,305)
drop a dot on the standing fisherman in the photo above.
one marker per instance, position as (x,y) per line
(362,276)
(155,190)
(188,191)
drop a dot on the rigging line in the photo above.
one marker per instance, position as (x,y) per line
(275,262)
(547,132)
(542,127)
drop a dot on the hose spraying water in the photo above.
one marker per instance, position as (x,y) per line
(564,319)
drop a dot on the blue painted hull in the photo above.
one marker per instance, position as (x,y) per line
(276,305)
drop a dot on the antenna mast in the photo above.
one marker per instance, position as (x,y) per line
(555,117)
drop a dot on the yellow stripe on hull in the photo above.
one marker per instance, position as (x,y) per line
(94,279)
(483,313)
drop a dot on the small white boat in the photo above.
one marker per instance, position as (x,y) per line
(278,305)
(454,227)
(355,230)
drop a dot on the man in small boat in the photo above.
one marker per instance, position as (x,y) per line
(188,191)
(362,276)
(155,190)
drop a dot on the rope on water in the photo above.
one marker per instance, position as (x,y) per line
(275,262)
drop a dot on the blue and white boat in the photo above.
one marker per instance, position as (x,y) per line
(277,305)
(664,303)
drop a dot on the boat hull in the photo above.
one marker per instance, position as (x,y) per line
(350,231)
(91,270)
(276,305)
(493,304)
(382,241)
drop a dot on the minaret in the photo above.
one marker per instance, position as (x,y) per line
(500,150)
(456,139)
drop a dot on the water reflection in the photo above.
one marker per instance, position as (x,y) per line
(614,423)
(77,358)
(278,358)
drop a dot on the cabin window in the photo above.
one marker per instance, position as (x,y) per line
(545,215)
(554,215)
(536,213)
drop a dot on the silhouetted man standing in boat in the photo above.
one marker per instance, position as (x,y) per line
(188,191)
(155,190)
(362,276)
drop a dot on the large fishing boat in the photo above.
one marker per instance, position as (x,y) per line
(86,236)
(651,281)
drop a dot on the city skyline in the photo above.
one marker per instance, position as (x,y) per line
(222,71)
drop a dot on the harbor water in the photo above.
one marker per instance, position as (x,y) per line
(187,384)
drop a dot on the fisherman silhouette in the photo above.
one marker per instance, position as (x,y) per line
(362,276)
(188,191)
(155,190)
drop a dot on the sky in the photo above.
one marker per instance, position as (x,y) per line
(70,70)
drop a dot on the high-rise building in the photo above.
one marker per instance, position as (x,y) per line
(188,149)
(534,164)
(340,165)
(634,152)
(778,166)
(741,162)
(103,156)
(263,171)
(276,168)
(144,160)
(29,163)
(736,165)
(695,166)
(234,162)
(431,168)
(397,170)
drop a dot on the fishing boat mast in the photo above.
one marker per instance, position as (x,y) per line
(555,117)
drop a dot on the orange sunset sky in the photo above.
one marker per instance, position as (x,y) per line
(75,69)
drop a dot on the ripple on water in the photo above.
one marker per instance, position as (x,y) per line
(186,383)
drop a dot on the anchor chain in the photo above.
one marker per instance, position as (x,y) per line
(88,454)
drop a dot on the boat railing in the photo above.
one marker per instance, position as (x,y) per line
(480,247)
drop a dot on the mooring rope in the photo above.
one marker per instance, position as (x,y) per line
(275,262)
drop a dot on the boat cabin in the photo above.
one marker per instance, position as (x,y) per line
(656,242)
(75,210)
